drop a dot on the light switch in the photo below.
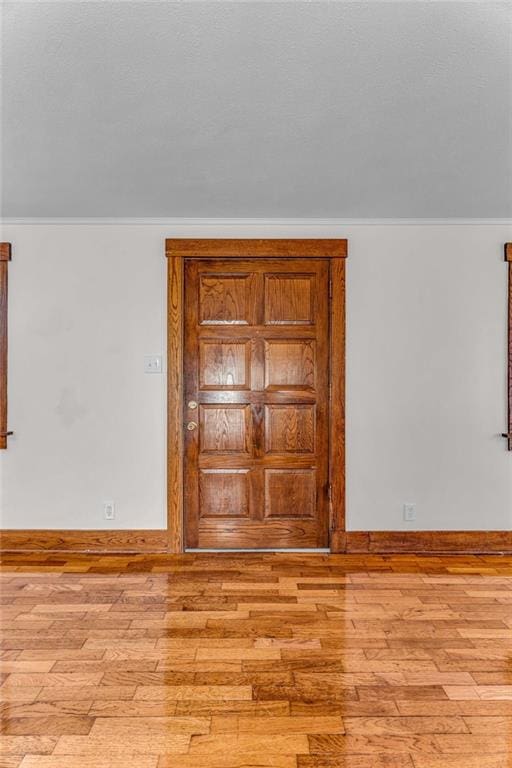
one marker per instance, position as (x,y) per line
(153,364)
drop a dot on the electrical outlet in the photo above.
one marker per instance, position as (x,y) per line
(409,513)
(109,512)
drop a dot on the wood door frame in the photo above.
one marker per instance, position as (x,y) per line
(508,433)
(176,251)
(5,258)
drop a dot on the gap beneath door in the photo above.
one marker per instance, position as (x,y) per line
(321,550)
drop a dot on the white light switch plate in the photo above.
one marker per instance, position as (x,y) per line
(153,364)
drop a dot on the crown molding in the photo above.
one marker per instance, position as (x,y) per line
(254,222)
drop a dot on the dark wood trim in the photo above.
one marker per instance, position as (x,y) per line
(176,251)
(508,257)
(337,404)
(5,257)
(83,541)
(349,542)
(175,404)
(420,542)
(248,248)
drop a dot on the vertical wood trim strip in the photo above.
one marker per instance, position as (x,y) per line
(337,406)
(174,405)
(508,257)
(5,257)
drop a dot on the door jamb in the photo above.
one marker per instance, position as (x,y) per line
(176,251)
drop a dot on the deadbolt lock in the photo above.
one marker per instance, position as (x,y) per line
(191,426)
(192,405)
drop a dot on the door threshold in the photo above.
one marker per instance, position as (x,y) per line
(311,550)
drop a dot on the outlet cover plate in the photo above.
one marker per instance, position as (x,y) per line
(109,511)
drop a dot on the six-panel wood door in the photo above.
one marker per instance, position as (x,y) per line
(256,403)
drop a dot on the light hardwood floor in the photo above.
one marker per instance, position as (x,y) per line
(283,661)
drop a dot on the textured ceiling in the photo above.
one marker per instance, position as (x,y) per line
(256,109)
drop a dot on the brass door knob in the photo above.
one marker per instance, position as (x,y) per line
(191,426)
(192,405)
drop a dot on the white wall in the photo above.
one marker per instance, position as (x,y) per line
(426,374)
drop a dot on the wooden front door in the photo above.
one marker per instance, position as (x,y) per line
(256,403)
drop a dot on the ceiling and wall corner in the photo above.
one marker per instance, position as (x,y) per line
(346,110)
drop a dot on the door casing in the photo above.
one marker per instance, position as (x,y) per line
(179,250)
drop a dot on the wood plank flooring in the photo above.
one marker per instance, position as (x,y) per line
(256,661)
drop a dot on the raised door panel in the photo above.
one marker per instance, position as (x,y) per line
(224,365)
(224,429)
(290,428)
(224,493)
(224,299)
(290,493)
(290,364)
(289,299)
